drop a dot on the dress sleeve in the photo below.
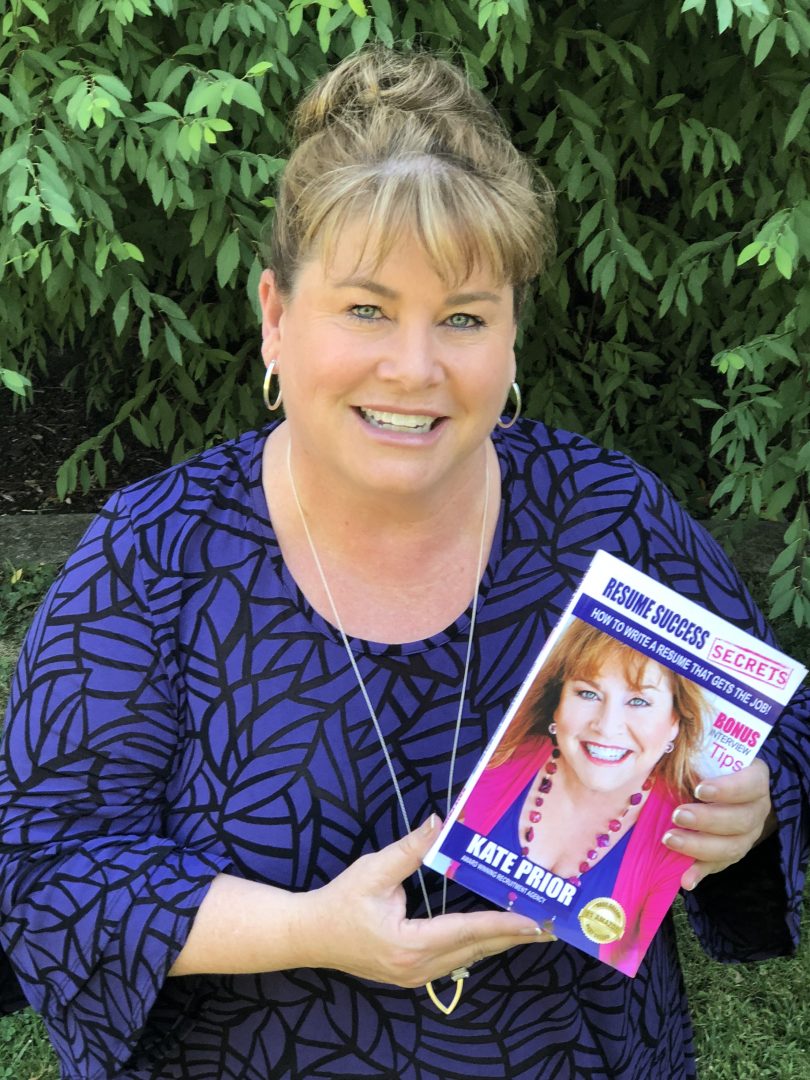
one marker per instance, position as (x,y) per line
(96,900)
(752,910)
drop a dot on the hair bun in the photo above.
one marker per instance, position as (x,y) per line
(378,79)
(402,140)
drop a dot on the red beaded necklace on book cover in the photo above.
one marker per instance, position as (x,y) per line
(602,840)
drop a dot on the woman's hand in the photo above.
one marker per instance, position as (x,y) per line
(733,815)
(361,927)
(355,924)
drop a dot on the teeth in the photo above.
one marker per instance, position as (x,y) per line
(398,421)
(606,753)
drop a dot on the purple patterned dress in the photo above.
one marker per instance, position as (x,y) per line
(179,710)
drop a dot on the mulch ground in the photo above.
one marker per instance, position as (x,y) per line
(36,439)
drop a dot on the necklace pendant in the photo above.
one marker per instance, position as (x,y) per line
(458,975)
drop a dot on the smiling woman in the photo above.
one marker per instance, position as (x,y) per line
(391,389)
(264,666)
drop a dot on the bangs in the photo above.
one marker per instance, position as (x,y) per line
(596,649)
(464,222)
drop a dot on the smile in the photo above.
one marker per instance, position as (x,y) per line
(410,423)
(608,754)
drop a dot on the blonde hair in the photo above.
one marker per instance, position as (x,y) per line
(582,652)
(403,142)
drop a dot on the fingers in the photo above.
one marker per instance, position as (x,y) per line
(743,786)
(396,862)
(440,945)
(362,927)
(733,814)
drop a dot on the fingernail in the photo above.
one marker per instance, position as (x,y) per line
(429,826)
(673,840)
(705,791)
(684,817)
(539,932)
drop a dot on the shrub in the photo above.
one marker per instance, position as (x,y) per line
(141,139)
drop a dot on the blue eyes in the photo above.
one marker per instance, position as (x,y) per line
(459,320)
(367,312)
(591,695)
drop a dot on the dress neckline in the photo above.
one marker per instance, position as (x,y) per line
(458,629)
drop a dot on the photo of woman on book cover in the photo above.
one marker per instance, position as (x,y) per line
(585,780)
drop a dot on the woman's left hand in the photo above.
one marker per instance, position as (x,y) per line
(734,813)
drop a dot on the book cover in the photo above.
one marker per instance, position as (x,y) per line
(637,696)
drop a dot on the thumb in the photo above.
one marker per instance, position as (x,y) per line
(399,860)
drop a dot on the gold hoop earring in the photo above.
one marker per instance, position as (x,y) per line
(271,405)
(514,389)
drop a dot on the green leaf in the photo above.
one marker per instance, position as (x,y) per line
(227,259)
(161,108)
(14,381)
(800,24)
(221,23)
(145,334)
(668,101)
(359,8)
(247,95)
(87,13)
(13,154)
(173,345)
(121,311)
(749,251)
(589,222)
(784,262)
(785,558)
(361,31)
(577,107)
(258,69)
(593,249)
(113,85)
(725,14)
(765,42)
(37,10)
(203,95)
(132,251)
(295,16)
(635,260)
(798,117)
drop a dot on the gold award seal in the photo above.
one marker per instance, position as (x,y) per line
(603,920)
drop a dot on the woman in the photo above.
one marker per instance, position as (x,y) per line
(586,778)
(203,844)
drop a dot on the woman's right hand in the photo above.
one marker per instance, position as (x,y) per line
(357,924)
(361,927)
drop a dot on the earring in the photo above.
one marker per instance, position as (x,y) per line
(271,405)
(552,729)
(669,748)
(514,389)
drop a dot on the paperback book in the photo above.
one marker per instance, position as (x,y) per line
(638,695)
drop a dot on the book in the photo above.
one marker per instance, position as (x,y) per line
(637,696)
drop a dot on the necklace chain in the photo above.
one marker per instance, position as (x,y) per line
(459,974)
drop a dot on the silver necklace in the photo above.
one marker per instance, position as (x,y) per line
(459,974)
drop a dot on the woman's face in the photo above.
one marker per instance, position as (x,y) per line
(611,734)
(392,381)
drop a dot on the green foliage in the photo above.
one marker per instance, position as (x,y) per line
(25,1052)
(141,140)
(21,593)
